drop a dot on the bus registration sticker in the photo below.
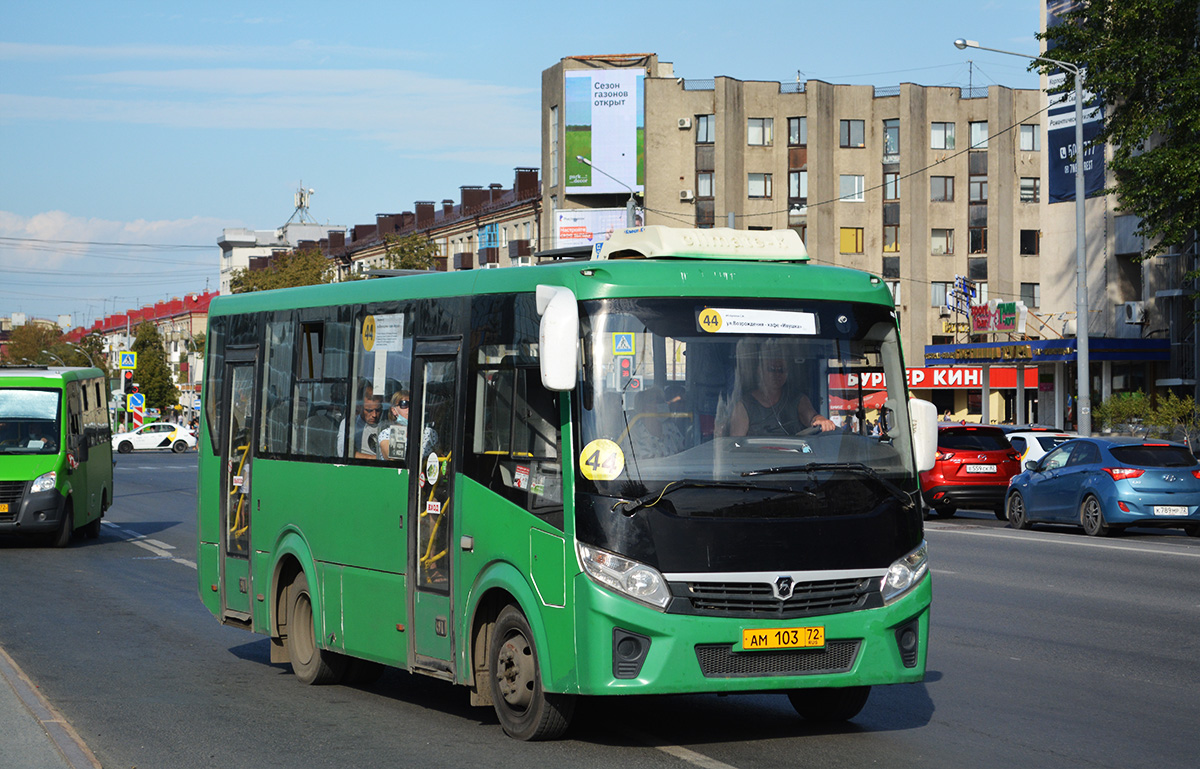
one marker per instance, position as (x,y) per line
(783,638)
(601,460)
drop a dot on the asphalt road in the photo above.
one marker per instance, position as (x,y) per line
(1049,649)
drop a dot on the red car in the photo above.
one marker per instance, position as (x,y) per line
(974,465)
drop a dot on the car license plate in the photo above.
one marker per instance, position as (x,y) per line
(784,638)
(3,507)
(1170,510)
(981,468)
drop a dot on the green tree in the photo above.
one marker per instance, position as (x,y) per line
(308,267)
(1175,417)
(153,375)
(1143,62)
(410,252)
(31,342)
(1122,409)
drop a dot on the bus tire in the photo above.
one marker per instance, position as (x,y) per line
(66,526)
(179,447)
(312,665)
(829,705)
(525,710)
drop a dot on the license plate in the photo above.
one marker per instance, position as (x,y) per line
(981,468)
(784,638)
(1159,510)
(3,507)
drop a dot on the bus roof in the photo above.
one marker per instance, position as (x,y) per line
(9,373)
(656,242)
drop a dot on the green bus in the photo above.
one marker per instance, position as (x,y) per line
(56,471)
(570,479)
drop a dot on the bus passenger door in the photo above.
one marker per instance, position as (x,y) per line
(433,461)
(237,453)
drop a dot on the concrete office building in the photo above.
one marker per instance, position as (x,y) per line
(917,184)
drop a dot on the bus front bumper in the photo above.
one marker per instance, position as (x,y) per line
(627,648)
(33,513)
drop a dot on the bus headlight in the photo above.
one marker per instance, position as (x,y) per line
(905,573)
(43,483)
(630,578)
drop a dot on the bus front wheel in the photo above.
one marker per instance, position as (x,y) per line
(311,664)
(525,710)
(829,705)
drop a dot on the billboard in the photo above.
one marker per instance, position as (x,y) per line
(605,123)
(1060,134)
(588,226)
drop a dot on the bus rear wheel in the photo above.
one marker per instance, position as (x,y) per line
(828,705)
(525,710)
(311,664)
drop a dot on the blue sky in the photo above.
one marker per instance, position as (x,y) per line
(155,126)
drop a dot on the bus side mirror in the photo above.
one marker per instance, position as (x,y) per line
(558,337)
(924,416)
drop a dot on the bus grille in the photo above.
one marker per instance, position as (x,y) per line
(11,492)
(720,661)
(756,599)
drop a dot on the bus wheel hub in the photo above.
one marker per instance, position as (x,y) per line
(515,670)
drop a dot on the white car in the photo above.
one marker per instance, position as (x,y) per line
(1033,444)
(156,435)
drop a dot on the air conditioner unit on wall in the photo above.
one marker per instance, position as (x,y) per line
(685,122)
(686,195)
(1135,313)
(943,312)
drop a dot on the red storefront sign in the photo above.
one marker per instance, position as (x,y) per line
(953,378)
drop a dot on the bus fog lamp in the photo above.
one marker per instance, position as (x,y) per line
(43,483)
(905,573)
(630,578)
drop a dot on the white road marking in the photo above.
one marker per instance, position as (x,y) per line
(159,549)
(682,753)
(1048,540)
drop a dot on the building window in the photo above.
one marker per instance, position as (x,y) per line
(941,136)
(759,185)
(891,137)
(981,292)
(941,242)
(798,186)
(894,287)
(797,131)
(941,188)
(1031,294)
(760,131)
(554,146)
(977,240)
(851,186)
(891,186)
(704,184)
(979,135)
(1029,242)
(706,127)
(852,133)
(851,240)
(977,189)
(1031,138)
(938,292)
(891,238)
(1031,189)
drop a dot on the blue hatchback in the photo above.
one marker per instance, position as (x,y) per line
(1106,484)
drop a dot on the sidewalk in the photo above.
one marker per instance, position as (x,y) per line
(35,735)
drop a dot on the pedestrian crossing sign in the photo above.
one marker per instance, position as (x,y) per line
(127,360)
(622,343)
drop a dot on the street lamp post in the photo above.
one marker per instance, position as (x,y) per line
(1083,404)
(82,352)
(631,206)
(52,356)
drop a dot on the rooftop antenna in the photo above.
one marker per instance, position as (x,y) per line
(300,215)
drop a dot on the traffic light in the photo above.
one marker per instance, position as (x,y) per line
(626,367)
(136,386)
(127,382)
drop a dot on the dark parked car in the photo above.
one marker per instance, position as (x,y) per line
(974,464)
(1106,484)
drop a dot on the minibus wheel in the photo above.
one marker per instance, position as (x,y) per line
(65,527)
(525,710)
(311,664)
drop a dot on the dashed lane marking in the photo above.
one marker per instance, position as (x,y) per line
(160,549)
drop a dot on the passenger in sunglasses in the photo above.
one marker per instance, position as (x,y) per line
(394,438)
(367,423)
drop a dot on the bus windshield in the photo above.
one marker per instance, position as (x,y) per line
(744,409)
(29,421)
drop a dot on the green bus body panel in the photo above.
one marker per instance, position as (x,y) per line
(547,553)
(373,609)
(671,666)
(208,573)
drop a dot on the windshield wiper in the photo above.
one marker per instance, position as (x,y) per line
(857,468)
(631,506)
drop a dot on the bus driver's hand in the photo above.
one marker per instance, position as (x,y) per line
(825,423)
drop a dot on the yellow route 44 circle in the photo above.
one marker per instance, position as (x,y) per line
(710,320)
(601,460)
(368,333)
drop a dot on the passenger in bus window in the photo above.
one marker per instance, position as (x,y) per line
(367,422)
(772,406)
(394,438)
